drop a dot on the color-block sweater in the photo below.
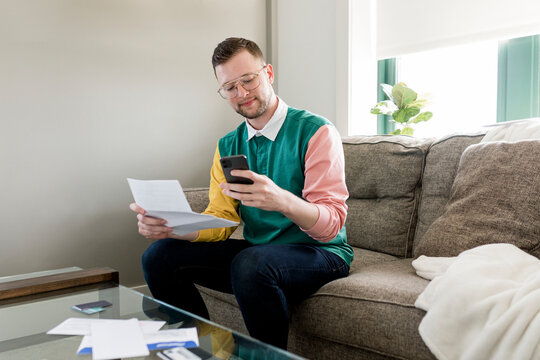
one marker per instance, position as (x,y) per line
(306,159)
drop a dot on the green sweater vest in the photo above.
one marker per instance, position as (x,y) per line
(282,160)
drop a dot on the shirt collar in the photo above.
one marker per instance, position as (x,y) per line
(272,127)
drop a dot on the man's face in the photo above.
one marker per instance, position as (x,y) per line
(254,103)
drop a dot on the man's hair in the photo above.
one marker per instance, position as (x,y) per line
(232,46)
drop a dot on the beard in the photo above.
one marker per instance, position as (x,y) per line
(257,112)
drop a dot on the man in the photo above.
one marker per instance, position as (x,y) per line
(293,213)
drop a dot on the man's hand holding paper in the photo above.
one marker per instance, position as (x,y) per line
(153,228)
(163,211)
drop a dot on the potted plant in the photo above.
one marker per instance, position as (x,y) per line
(404,106)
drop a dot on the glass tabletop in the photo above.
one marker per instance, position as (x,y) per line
(24,322)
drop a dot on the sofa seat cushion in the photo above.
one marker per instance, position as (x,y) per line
(372,308)
(362,258)
(227,298)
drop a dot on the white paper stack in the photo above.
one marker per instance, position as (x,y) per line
(119,339)
(113,339)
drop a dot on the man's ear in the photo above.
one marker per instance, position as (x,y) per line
(270,73)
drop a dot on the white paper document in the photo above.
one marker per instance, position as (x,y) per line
(165,199)
(119,339)
(81,326)
(163,339)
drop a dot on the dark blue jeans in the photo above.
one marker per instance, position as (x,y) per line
(263,278)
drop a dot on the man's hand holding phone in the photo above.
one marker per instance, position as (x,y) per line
(259,191)
(249,187)
(263,193)
(266,195)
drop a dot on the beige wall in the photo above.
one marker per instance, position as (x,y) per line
(306,54)
(92,92)
(324,51)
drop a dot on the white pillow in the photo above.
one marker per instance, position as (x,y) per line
(528,129)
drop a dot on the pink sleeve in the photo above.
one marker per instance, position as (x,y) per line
(325,183)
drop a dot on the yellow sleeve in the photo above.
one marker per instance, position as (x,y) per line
(220,205)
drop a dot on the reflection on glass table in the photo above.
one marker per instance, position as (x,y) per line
(24,322)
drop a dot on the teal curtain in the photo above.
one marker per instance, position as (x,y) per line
(518,94)
(386,74)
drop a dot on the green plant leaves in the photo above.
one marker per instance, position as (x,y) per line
(386,107)
(425,116)
(407,130)
(403,115)
(403,96)
(419,103)
(404,106)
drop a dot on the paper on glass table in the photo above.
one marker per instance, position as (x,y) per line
(82,326)
(165,199)
(119,339)
(164,339)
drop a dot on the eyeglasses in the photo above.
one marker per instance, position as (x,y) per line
(248,82)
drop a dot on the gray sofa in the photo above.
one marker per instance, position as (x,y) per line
(398,186)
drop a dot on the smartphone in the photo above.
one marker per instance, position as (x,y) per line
(92,307)
(235,162)
(94,304)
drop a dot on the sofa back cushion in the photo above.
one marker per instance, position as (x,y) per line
(383,175)
(197,198)
(442,162)
(494,199)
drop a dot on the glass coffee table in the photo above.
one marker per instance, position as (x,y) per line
(25,320)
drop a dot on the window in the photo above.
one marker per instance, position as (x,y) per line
(462,85)
(470,85)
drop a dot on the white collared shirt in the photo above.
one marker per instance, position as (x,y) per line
(272,127)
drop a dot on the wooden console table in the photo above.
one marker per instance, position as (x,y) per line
(64,280)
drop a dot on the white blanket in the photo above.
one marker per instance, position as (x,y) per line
(482,304)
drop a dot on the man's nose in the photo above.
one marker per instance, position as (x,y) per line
(241,91)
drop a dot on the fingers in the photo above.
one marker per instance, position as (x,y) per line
(149,220)
(152,231)
(154,235)
(154,225)
(245,174)
(136,208)
(150,227)
(235,189)
(259,183)
(263,193)
(244,194)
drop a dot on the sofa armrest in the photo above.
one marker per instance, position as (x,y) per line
(198,200)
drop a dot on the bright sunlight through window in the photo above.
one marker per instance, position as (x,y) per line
(462,85)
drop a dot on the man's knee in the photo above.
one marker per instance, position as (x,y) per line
(251,265)
(153,257)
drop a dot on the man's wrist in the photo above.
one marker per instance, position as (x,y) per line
(300,211)
(287,203)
